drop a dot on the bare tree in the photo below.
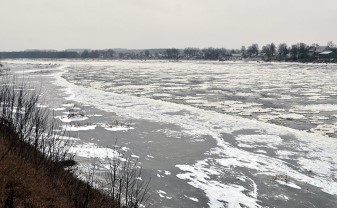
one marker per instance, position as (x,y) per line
(172,53)
(253,50)
(267,52)
(331,44)
(272,49)
(294,52)
(282,51)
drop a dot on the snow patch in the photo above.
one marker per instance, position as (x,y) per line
(78,128)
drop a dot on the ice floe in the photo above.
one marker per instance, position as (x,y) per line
(117,128)
(91,150)
(68,119)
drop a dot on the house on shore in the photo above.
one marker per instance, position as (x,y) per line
(328,55)
(315,51)
(236,56)
(323,53)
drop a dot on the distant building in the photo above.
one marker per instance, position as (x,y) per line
(236,56)
(318,51)
(328,55)
(323,53)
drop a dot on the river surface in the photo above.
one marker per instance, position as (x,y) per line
(208,134)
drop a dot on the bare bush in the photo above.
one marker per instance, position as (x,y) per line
(34,127)
(121,178)
(124,182)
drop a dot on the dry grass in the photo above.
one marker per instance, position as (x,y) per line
(27,186)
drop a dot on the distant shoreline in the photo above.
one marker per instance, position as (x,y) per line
(164,60)
(282,53)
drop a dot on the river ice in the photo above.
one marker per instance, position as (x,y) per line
(273,126)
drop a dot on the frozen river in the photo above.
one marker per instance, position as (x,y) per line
(209,134)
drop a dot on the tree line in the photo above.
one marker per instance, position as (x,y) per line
(269,52)
(39,54)
(170,53)
(296,52)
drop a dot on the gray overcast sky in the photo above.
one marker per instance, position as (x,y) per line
(100,24)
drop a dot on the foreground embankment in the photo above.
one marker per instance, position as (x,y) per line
(30,183)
